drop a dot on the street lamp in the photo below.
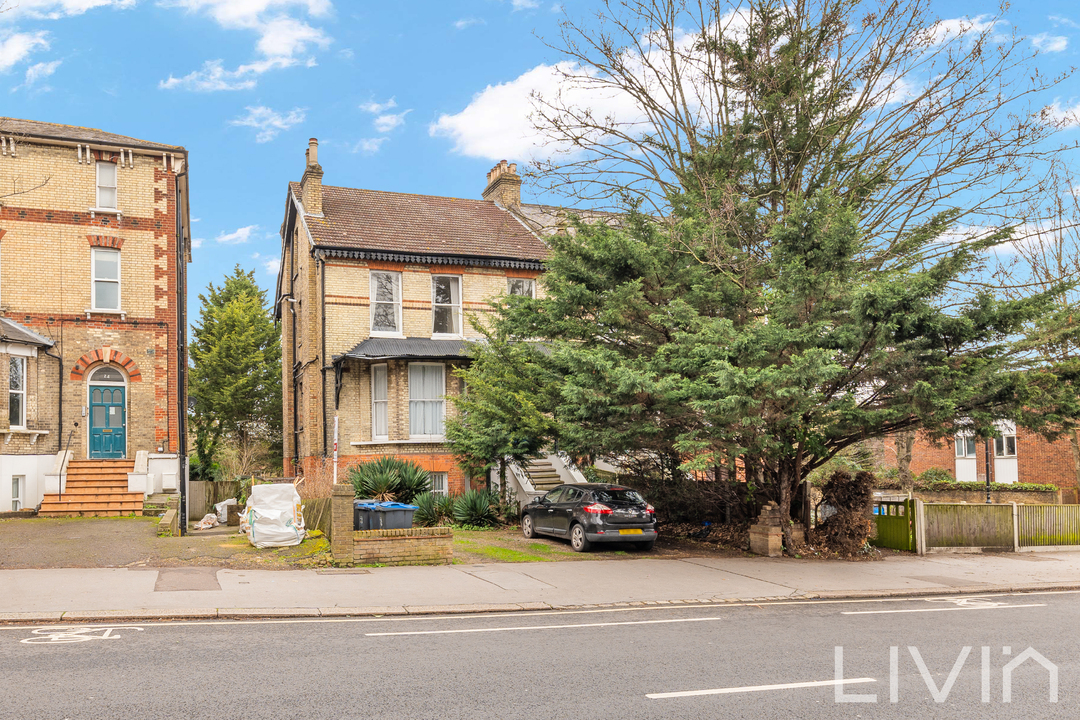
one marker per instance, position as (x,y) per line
(987,471)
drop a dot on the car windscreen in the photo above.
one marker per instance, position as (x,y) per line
(619,495)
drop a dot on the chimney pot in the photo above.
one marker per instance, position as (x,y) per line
(504,185)
(311,182)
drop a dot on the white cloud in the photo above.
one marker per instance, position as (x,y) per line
(196,243)
(1061,116)
(525,4)
(286,37)
(212,77)
(377,107)
(240,235)
(17,46)
(1058,20)
(496,123)
(269,122)
(345,54)
(945,30)
(36,73)
(272,266)
(556,8)
(369,146)
(390,121)
(1050,43)
(282,42)
(465,23)
(56,9)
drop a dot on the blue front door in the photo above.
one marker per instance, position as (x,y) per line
(108,422)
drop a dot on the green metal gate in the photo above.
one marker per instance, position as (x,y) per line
(895,522)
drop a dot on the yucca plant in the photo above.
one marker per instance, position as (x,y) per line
(389,478)
(476,508)
(444,509)
(426,514)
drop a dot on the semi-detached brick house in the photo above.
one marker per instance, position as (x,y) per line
(373,295)
(1018,455)
(94,245)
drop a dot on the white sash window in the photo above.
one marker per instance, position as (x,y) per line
(106,279)
(446,304)
(427,387)
(17,392)
(385,303)
(380,421)
(106,185)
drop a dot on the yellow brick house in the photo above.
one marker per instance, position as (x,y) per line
(373,296)
(94,245)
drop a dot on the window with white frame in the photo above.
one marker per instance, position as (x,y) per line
(106,273)
(1005,446)
(385,302)
(427,389)
(520,286)
(446,304)
(380,402)
(17,392)
(438,484)
(18,487)
(106,185)
(965,446)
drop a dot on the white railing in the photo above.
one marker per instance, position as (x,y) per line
(572,467)
(526,491)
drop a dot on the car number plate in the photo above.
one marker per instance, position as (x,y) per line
(630,532)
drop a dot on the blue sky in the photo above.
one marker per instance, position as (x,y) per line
(419,97)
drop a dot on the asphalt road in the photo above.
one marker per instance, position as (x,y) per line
(581,664)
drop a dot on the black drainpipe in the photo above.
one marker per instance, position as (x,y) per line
(181,353)
(60,396)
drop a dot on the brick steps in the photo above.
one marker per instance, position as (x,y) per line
(94,488)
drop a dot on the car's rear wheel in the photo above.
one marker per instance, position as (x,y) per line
(578,541)
(646,545)
(527,528)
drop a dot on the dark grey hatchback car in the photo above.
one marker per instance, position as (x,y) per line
(590,513)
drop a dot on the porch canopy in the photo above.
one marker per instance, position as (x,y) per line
(414,348)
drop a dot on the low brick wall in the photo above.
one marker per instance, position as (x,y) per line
(410,546)
(973,497)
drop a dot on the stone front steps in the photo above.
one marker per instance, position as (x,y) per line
(95,488)
(543,475)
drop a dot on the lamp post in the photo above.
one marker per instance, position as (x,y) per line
(987,471)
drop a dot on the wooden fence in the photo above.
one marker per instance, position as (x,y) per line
(951,525)
(1043,526)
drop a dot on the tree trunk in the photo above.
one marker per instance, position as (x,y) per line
(784,473)
(905,444)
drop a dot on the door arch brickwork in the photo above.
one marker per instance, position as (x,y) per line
(106,355)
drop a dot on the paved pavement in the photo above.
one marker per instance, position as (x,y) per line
(86,594)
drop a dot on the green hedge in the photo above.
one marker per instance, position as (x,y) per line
(938,480)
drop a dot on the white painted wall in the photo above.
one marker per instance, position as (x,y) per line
(33,467)
(1006,470)
(966,470)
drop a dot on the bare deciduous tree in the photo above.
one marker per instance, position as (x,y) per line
(953,113)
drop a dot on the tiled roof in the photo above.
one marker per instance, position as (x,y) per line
(11,331)
(551,219)
(74,133)
(419,224)
(386,348)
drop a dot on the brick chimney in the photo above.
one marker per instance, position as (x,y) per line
(311,182)
(504,185)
